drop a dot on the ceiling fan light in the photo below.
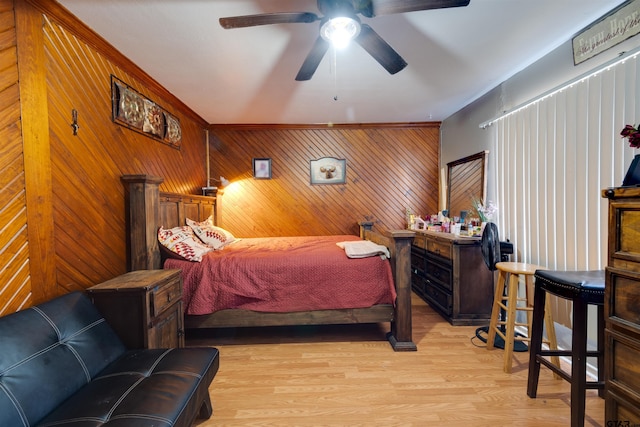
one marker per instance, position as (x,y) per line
(340,31)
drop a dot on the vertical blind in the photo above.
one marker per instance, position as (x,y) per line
(553,158)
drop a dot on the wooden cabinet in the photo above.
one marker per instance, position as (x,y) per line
(622,308)
(449,273)
(144,307)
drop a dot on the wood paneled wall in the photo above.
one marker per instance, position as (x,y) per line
(15,280)
(389,168)
(63,213)
(86,169)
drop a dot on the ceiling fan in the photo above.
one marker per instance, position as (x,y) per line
(339,18)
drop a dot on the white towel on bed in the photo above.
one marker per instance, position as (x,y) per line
(363,249)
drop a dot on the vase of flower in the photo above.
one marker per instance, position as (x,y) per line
(485,212)
(632,134)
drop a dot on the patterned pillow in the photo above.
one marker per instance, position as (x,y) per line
(211,235)
(181,241)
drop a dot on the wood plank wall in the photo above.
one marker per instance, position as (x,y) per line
(63,214)
(65,189)
(389,167)
(86,169)
(15,280)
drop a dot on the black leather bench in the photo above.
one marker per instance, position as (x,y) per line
(62,364)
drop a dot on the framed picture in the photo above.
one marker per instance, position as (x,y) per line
(262,168)
(328,170)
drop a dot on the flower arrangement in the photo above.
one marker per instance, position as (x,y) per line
(632,134)
(485,212)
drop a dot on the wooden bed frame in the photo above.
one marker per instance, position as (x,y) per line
(148,209)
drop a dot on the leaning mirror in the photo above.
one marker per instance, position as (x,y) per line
(467,180)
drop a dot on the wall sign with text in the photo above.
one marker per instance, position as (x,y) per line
(615,27)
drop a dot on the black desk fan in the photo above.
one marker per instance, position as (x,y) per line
(493,252)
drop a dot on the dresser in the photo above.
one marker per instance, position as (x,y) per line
(144,307)
(449,273)
(622,308)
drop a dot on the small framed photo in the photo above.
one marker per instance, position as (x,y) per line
(328,170)
(262,168)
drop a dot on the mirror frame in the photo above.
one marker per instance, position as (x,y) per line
(466,180)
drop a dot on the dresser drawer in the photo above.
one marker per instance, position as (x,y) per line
(420,241)
(165,296)
(620,411)
(439,297)
(628,243)
(418,259)
(623,366)
(442,249)
(623,298)
(439,273)
(418,284)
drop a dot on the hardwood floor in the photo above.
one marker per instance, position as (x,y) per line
(350,376)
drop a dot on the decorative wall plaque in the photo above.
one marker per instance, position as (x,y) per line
(613,28)
(136,112)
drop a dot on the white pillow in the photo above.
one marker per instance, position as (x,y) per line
(214,236)
(180,240)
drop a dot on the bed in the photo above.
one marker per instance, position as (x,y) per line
(148,209)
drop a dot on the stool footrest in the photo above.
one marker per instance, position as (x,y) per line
(565,375)
(566,353)
(561,372)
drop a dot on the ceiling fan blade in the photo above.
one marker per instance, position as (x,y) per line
(267,19)
(313,59)
(380,49)
(388,7)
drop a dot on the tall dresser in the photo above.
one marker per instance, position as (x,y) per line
(622,308)
(449,273)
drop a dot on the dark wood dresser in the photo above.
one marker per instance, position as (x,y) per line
(144,307)
(622,308)
(449,273)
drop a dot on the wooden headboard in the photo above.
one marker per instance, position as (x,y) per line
(148,209)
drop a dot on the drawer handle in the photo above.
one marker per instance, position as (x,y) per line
(169,297)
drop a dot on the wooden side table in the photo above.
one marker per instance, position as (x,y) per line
(144,307)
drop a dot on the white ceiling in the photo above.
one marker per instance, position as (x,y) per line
(246,75)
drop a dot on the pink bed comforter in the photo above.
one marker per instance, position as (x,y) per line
(284,274)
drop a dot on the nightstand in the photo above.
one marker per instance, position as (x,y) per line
(144,307)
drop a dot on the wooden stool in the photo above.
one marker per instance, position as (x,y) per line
(506,298)
(582,288)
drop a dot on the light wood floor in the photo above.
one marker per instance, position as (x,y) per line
(350,376)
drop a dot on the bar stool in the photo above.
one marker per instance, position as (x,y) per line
(582,288)
(506,299)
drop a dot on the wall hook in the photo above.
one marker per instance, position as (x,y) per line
(74,118)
